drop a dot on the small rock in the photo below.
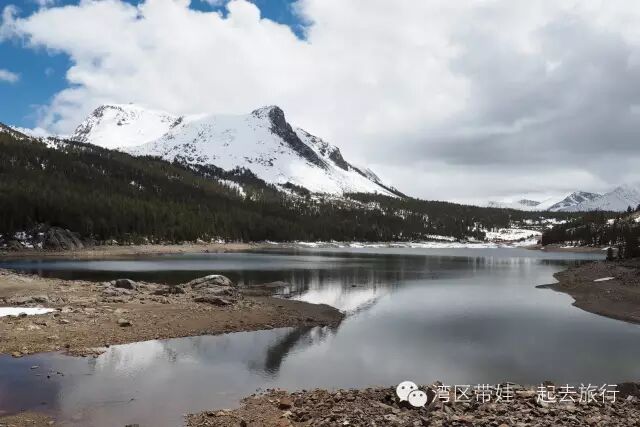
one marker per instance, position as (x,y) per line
(285,403)
(124,323)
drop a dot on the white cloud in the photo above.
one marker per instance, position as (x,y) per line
(467,96)
(8,76)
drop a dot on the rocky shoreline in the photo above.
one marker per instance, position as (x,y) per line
(126,251)
(607,288)
(381,407)
(88,317)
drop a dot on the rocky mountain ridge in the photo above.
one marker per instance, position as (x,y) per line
(261,141)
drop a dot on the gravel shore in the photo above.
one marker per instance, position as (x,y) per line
(608,288)
(129,251)
(381,407)
(88,317)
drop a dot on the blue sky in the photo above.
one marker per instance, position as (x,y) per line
(483,100)
(42,72)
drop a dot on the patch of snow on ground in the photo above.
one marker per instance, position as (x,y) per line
(604,279)
(233,185)
(511,234)
(29,311)
(415,245)
(438,237)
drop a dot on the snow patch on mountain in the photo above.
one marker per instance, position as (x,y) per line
(261,141)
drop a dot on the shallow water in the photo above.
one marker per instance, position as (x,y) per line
(460,316)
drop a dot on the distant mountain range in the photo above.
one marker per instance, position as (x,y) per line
(261,141)
(616,200)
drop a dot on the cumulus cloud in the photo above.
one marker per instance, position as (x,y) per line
(448,100)
(8,76)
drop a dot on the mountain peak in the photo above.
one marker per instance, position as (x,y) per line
(269,111)
(124,125)
(574,199)
(262,142)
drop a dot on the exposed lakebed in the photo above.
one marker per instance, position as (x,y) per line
(461,316)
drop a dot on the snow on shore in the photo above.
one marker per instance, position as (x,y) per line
(29,311)
(418,245)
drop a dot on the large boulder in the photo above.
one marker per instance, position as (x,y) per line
(59,239)
(213,280)
(125,284)
(168,290)
(218,291)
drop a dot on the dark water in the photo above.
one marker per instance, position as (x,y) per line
(460,316)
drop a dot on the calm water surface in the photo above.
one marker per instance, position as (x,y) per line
(460,316)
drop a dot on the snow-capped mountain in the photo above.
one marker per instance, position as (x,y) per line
(618,200)
(553,204)
(522,205)
(526,204)
(119,126)
(572,200)
(261,141)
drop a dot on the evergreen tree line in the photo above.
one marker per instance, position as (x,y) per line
(599,229)
(104,194)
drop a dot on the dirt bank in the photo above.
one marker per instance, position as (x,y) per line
(91,316)
(608,288)
(113,251)
(380,407)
